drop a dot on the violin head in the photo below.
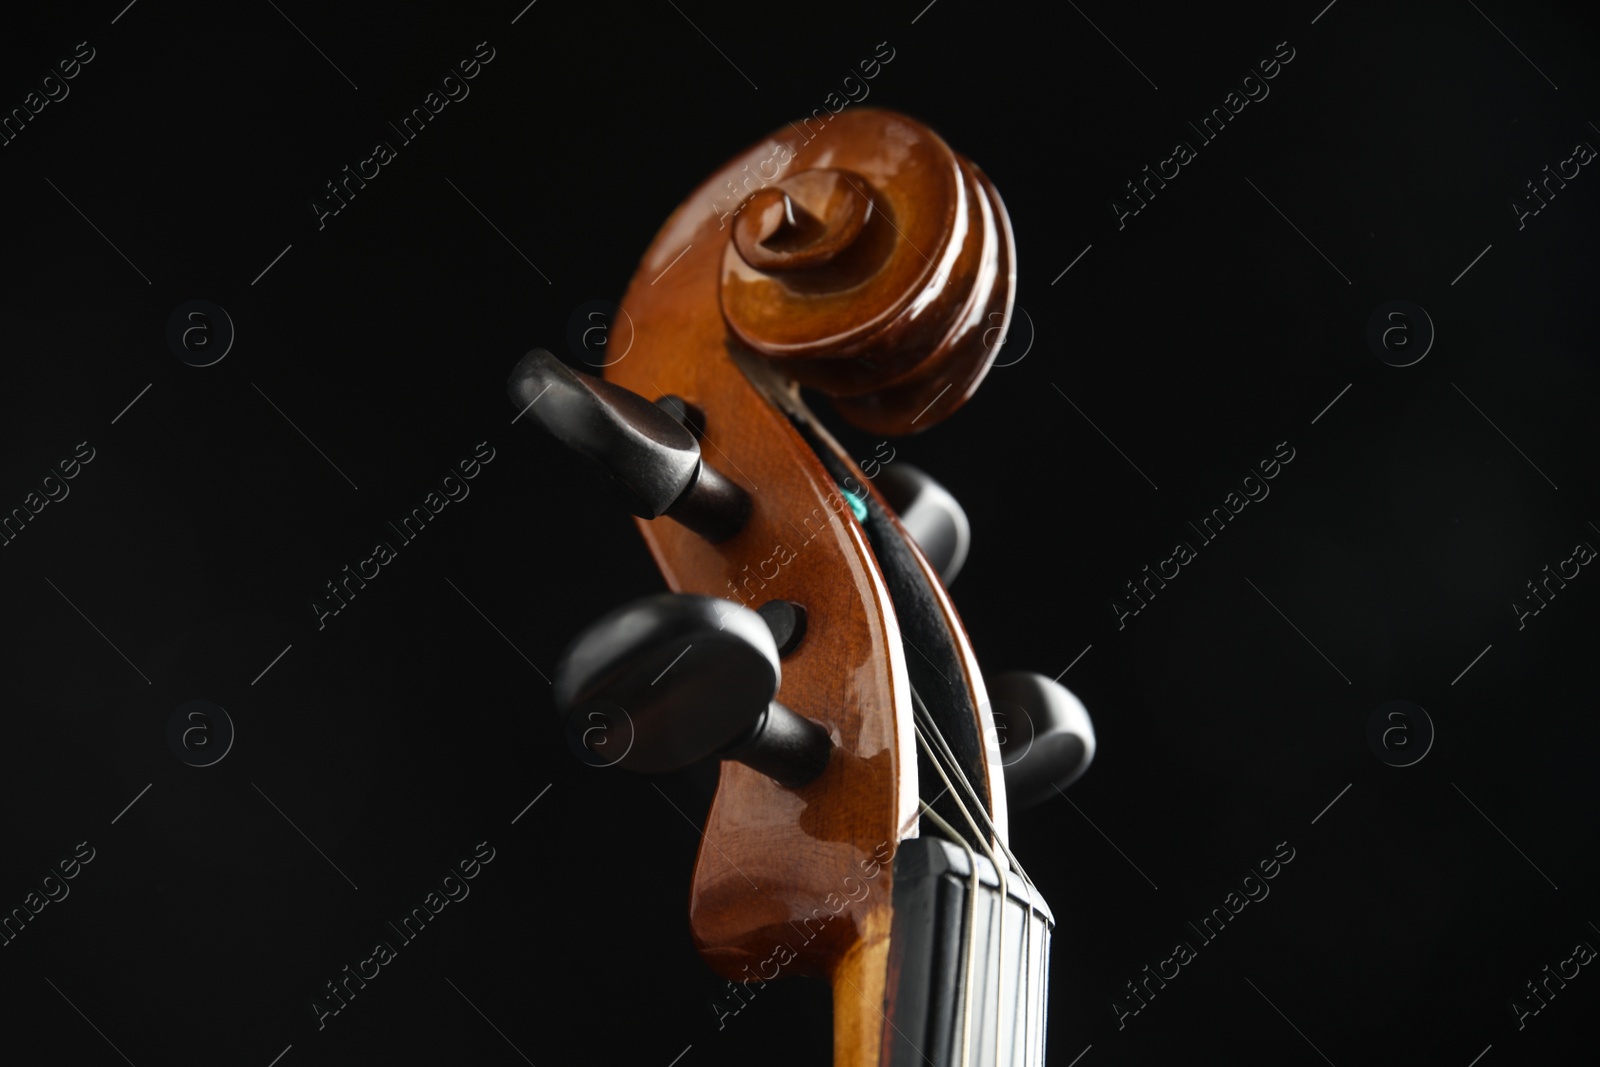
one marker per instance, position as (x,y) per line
(874,264)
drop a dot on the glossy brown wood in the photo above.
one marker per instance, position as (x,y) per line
(799,881)
(972,677)
(877,267)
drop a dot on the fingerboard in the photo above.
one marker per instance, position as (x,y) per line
(952,972)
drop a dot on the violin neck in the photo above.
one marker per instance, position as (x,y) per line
(956,968)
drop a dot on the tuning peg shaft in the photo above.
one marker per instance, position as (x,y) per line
(652,460)
(1046,736)
(676,678)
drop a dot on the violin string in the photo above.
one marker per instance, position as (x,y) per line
(954,764)
(971,925)
(1000,876)
(999,939)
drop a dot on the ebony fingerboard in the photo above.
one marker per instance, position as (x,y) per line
(930,984)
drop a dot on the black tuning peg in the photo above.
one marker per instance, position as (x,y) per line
(933,518)
(1046,738)
(669,680)
(653,461)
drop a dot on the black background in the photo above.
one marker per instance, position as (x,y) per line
(1231,711)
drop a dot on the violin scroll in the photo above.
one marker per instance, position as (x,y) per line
(877,271)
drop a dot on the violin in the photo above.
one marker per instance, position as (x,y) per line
(858,833)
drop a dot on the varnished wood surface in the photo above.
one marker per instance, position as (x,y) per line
(797,881)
